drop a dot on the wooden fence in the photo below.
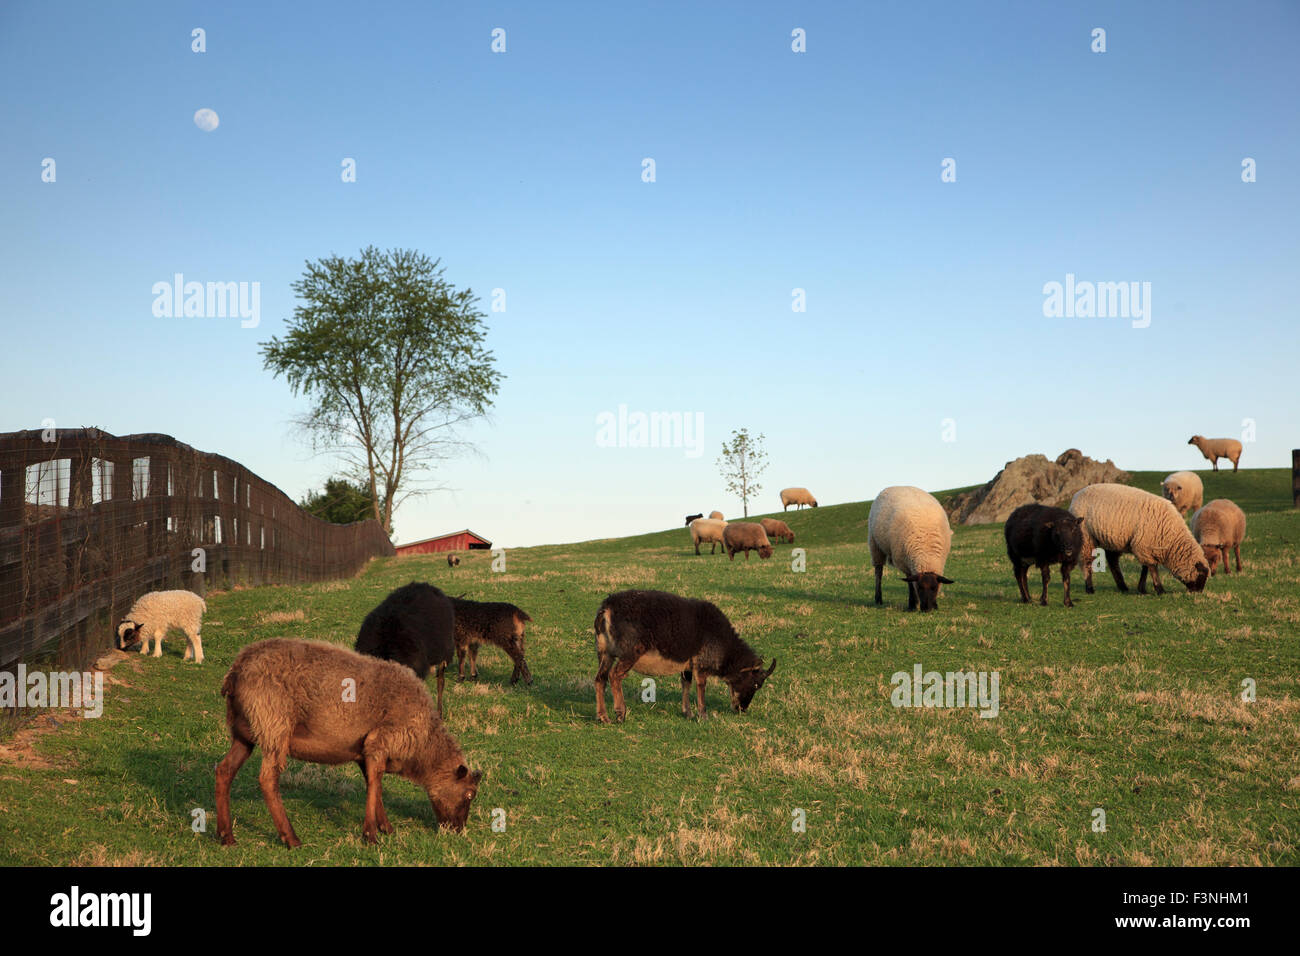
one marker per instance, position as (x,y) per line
(90,521)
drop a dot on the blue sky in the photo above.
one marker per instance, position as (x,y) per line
(774,170)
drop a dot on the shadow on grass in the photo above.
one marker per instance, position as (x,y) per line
(331,801)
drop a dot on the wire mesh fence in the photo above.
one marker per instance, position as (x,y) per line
(90,521)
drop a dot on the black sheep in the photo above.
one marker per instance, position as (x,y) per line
(690,518)
(658,633)
(1043,536)
(415,626)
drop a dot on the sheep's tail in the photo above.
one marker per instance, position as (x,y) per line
(228,684)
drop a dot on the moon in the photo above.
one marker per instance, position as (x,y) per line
(206,120)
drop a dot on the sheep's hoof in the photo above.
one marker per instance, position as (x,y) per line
(620,715)
(1089,590)
(228,840)
(293,843)
(371,837)
(1043,602)
(602,718)
(386,827)
(1068,603)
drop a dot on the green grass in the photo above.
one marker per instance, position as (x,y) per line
(1127,703)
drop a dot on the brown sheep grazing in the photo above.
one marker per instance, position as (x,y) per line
(1218,527)
(746,536)
(1215,448)
(453,560)
(323,703)
(777,530)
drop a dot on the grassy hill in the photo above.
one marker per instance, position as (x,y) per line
(1126,704)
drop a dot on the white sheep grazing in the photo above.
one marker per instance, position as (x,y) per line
(1125,520)
(909,528)
(1185,490)
(708,530)
(798,497)
(157,612)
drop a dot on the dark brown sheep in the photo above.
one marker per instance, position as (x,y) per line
(415,626)
(777,530)
(326,704)
(1043,536)
(746,536)
(490,622)
(654,632)
(453,560)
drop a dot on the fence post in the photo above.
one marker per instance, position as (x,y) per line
(1295,477)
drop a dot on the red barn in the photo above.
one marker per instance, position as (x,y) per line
(455,541)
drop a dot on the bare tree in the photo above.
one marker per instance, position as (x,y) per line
(392,358)
(742,461)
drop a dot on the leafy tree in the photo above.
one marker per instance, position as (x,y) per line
(391,357)
(341,502)
(741,462)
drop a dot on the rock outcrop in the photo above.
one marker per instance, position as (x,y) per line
(1028,480)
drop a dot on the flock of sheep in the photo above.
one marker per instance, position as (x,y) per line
(323,703)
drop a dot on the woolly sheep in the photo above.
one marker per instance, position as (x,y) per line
(798,497)
(777,530)
(453,560)
(157,612)
(322,703)
(1124,520)
(909,528)
(746,536)
(709,531)
(1218,526)
(1215,448)
(716,516)
(1184,489)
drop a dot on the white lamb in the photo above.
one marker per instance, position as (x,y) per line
(157,612)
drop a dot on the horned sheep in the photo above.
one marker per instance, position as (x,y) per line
(322,703)
(1215,448)
(909,528)
(1121,519)
(797,497)
(1220,526)
(155,613)
(746,536)
(1185,490)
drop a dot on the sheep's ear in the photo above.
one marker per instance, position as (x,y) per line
(477,777)
(943,580)
(910,579)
